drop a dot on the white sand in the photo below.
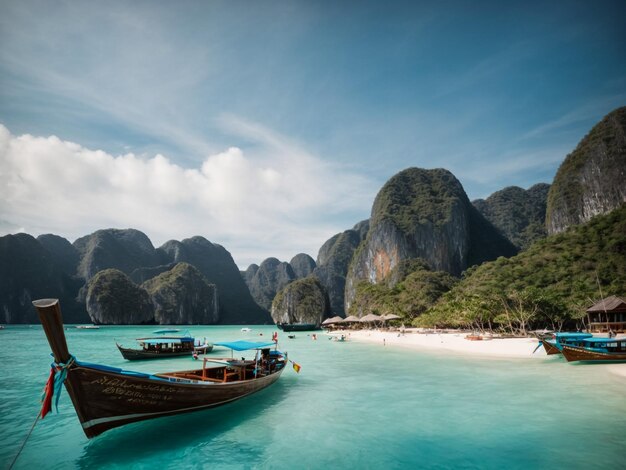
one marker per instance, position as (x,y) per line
(456,343)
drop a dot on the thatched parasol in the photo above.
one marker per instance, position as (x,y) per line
(351,318)
(370,318)
(390,316)
(330,321)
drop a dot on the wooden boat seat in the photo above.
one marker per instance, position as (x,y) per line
(228,375)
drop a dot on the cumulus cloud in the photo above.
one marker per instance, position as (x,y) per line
(275,200)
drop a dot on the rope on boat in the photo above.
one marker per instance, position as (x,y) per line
(25,440)
(58,373)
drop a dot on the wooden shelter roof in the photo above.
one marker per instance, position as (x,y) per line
(610,304)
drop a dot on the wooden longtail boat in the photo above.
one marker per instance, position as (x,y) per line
(297,326)
(107,397)
(162,347)
(597,350)
(553,343)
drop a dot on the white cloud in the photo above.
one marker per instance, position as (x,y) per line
(275,200)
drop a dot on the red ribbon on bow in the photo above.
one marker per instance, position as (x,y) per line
(48,392)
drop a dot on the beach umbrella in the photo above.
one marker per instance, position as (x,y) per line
(370,318)
(390,316)
(330,321)
(349,319)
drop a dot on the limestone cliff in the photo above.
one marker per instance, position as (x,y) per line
(182,296)
(28,271)
(423,214)
(270,278)
(249,273)
(302,265)
(218,267)
(590,181)
(302,301)
(113,299)
(333,261)
(141,275)
(63,253)
(520,214)
(125,250)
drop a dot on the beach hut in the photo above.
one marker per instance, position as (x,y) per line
(608,315)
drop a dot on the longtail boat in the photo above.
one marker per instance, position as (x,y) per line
(553,342)
(597,350)
(297,326)
(164,346)
(107,397)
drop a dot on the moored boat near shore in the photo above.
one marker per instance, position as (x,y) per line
(107,397)
(553,342)
(163,347)
(597,350)
(297,326)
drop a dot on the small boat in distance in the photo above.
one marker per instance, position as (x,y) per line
(163,347)
(297,326)
(107,397)
(246,329)
(88,327)
(596,350)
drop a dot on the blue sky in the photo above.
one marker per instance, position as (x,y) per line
(269,126)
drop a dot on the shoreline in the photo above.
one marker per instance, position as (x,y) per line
(455,342)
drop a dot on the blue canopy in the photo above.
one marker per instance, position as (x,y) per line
(567,334)
(244,345)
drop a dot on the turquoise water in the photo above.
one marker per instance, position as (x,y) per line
(352,406)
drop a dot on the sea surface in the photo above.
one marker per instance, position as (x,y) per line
(353,405)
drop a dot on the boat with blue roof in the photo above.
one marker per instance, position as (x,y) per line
(597,350)
(553,342)
(107,397)
(161,347)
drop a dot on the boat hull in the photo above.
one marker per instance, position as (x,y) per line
(140,354)
(550,347)
(297,326)
(106,399)
(575,353)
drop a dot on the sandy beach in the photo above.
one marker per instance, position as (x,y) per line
(456,343)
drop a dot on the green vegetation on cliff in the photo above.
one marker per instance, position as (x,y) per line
(518,213)
(408,290)
(113,299)
(301,301)
(550,284)
(590,180)
(182,295)
(416,196)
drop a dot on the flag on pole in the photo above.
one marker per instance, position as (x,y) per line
(296,366)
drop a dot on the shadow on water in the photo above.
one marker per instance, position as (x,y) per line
(182,435)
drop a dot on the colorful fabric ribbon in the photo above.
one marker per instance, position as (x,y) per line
(58,374)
